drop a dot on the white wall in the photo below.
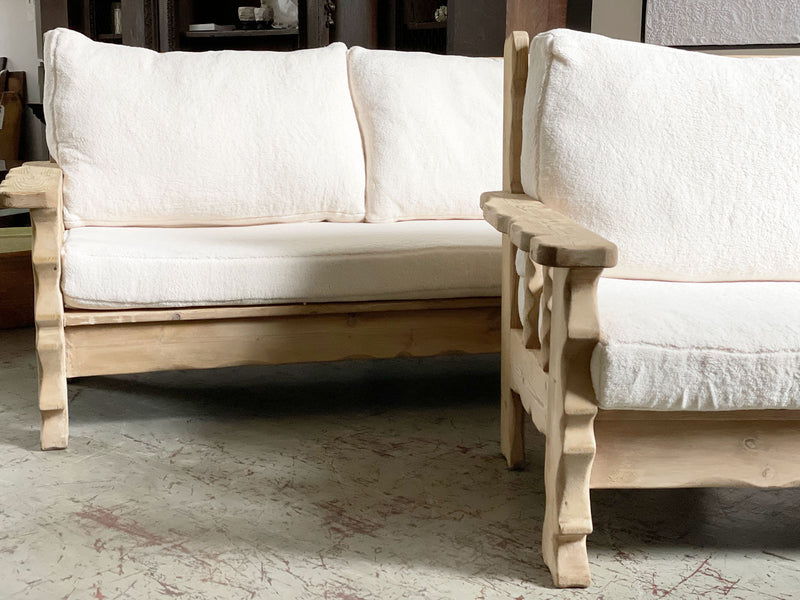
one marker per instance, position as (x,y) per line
(19,43)
(621,19)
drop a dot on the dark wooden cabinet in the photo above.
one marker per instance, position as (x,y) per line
(177,15)
(164,24)
(476,27)
(473,27)
(536,16)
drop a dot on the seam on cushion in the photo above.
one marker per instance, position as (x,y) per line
(431,217)
(358,116)
(540,112)
(449,249)
(676,350)
(54,77)
(317,217)
(485,292)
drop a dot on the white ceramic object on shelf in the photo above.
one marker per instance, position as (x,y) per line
(285,13)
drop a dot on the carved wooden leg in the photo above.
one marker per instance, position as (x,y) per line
(512,414)
(38,187)
(55,429)
(571,410)
(568,518)
(512,428)
(52,387)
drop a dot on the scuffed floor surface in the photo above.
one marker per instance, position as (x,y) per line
(361,480)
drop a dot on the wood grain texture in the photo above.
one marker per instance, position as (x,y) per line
(529,380)
(532,304)
(571,408)
(39,187)
(512,414)
(74,317)
(545,318)
(535,16)
(33,185)
(669,453)
(515,60)
(200,344)
(551,238)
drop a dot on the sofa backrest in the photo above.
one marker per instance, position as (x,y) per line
(215,138)
(690,163)
(433,132)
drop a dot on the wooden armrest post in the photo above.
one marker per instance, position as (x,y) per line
(512,413)
(38,186)
(564,264)
(571,409)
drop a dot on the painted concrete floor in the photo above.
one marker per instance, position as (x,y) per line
(361,480)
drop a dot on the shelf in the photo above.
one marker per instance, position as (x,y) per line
(426,25)
(241,33)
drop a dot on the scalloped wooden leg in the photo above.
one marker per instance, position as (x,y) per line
(512,428)
(570,427)
(55,429)
(568,518)
(50,350)
(512,414)
(568,562)
(564,553)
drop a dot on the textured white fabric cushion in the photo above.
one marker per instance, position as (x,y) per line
(125,267)
(688,162)
(433,132)
(697,346)
(180,139)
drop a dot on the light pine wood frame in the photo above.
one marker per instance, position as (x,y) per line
(76,343)
(546,373)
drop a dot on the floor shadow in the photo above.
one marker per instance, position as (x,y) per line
(361,386)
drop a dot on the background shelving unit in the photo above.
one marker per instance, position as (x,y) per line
(473,27)
(164,24)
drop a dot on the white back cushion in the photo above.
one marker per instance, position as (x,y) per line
(433,132)
(690,163)
(180,139)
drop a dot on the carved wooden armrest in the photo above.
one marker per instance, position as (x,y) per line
(552,239)
(33,185)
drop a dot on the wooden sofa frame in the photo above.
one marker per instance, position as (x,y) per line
(78,343)
(549,376)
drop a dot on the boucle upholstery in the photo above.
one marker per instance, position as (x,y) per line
(125,267)
(433,132)
(683,160)
(212,138)
(694,346)
(697,346)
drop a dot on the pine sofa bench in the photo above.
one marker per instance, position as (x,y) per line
(229,208)
(651,272)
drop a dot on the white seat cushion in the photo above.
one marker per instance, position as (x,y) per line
(433,132)
(201,138)
(687,161)
(697,346)
(129,267)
